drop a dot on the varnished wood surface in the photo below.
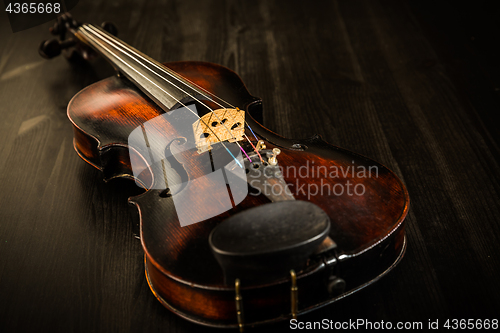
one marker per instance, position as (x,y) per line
(386,79)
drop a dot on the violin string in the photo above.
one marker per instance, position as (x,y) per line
(178,77)
(124,46)
(187,93)
(249,141)
(174,75)
(177,100)
(254,148)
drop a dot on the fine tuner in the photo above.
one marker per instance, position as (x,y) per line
(272,159)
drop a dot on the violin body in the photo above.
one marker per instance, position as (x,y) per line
(184,275)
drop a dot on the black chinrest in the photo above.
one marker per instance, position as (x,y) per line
(262,244)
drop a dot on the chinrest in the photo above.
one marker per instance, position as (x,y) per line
(262,244)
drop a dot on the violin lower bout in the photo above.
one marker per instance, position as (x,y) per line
(318,286)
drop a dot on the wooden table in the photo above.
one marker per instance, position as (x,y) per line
(410,84)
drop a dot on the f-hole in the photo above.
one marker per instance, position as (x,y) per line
(177,166)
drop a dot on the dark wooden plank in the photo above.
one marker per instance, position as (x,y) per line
(366,75)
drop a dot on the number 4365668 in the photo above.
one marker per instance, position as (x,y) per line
(33,7)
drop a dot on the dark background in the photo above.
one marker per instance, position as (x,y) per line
(412,84)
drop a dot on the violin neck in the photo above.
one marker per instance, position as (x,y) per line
(165,87)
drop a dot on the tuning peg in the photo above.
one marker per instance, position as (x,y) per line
(110,27)
(52,48)
(55,30)
(66,18)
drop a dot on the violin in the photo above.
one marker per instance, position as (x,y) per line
(239,225)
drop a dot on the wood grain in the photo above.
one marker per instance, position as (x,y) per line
(381,78)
